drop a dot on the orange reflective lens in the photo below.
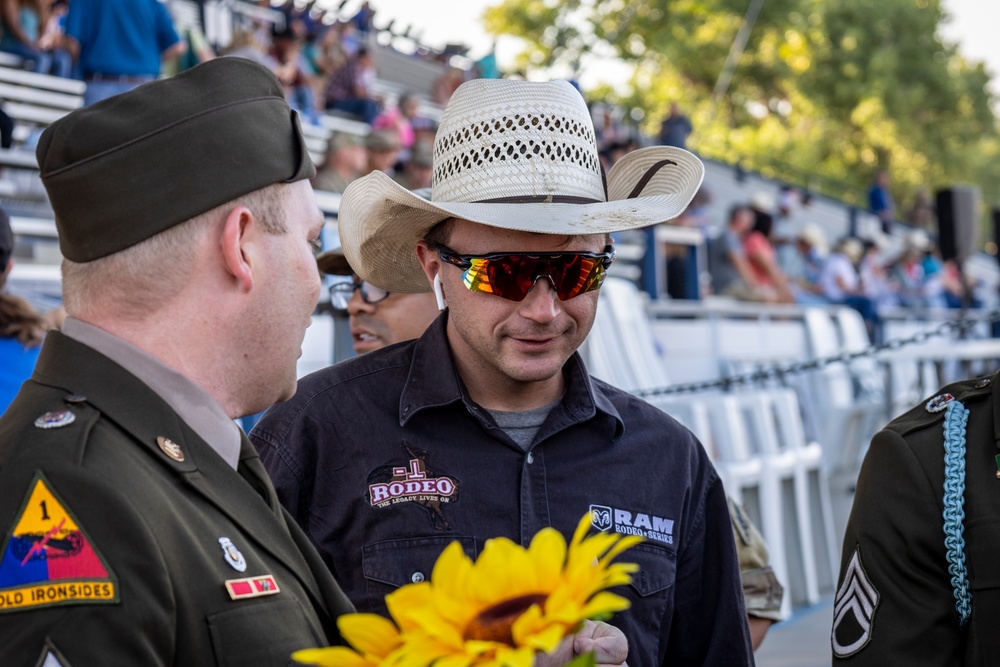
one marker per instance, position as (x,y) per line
(511,275)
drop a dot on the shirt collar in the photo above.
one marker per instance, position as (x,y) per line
(433,382)
(191,403)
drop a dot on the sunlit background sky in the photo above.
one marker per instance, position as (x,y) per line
(973,27)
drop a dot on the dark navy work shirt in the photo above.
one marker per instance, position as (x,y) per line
(385,459)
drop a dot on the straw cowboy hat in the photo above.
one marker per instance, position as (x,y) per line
(516,155)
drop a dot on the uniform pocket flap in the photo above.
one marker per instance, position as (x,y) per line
(657,567)
(399,562)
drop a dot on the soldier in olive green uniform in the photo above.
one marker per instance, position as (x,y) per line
(762,593)
(139,526)
(920,573)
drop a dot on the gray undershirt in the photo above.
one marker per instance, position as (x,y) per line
(191,403)
(522,426)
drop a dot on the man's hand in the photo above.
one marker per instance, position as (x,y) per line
(607,642)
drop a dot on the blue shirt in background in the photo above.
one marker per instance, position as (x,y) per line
(16,364)
(120,37)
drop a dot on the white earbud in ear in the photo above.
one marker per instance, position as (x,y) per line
(438,294)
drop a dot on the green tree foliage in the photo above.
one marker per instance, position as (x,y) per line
(825,93)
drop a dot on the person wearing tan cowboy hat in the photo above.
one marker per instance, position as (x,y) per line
(139,527)
(492,408)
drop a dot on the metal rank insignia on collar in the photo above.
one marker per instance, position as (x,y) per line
(170,448)
(252,587)
(55,419)
(939,403)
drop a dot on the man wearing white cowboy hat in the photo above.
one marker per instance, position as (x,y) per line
(492,409)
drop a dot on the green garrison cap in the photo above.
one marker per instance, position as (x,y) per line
(134,165)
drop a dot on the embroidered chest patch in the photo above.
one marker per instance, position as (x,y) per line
(627,522)
(853,610)
(413,483)
(47,559)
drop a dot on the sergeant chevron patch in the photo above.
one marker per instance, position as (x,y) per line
(854,610)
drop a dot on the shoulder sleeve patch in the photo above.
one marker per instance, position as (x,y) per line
(47,559)
(854,610)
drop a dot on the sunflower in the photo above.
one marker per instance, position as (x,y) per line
(503,609)
(372,636)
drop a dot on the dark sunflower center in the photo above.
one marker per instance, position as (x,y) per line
(495,623)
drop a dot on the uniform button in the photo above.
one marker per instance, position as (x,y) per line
(75,398)
(985,382)
(417,577)
(531,458)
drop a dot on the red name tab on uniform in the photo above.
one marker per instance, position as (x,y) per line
(252,587)
(47,558)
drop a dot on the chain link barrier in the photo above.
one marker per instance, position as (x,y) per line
(780,371)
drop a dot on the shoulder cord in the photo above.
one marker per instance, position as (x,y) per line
(955,420)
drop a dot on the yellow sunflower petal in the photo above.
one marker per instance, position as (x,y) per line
(336,656)
(548,551)
(605,603)
(499,571)
(370,634)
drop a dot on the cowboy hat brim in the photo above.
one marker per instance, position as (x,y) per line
(380,222)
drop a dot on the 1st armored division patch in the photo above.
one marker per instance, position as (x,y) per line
(47,559)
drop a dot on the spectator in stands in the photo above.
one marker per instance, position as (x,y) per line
(286,49)
(880,201)
(350,88)
(248,44)
(383,151)
(875,282)
(198,51)
(842,285)
(346,159)
(417,171)
(119,44)
(907,273)
(21,326)
(675,128)
(329,53)
(922,214)
(400,120)
(486,67)
(364,19)
(24,23)
(811,249)
(763,260)
(727,261)
(447,84)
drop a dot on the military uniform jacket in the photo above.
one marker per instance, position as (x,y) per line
(385,460)
(123,528)
(895,603)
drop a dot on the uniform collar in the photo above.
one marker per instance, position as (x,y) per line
(433,382)
(191,403)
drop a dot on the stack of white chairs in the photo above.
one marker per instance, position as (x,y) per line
(755,438)
(840,416)
(869,382)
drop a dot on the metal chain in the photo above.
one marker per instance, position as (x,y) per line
(779,371)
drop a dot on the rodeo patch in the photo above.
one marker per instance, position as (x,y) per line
(47,558)
(627,522)
(413,482)
(854,610)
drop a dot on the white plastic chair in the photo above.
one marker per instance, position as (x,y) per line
(839,416)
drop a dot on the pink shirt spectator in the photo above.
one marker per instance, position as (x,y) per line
(759,249)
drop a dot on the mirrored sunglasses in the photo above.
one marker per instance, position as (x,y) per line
(511,275)
(341,293)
